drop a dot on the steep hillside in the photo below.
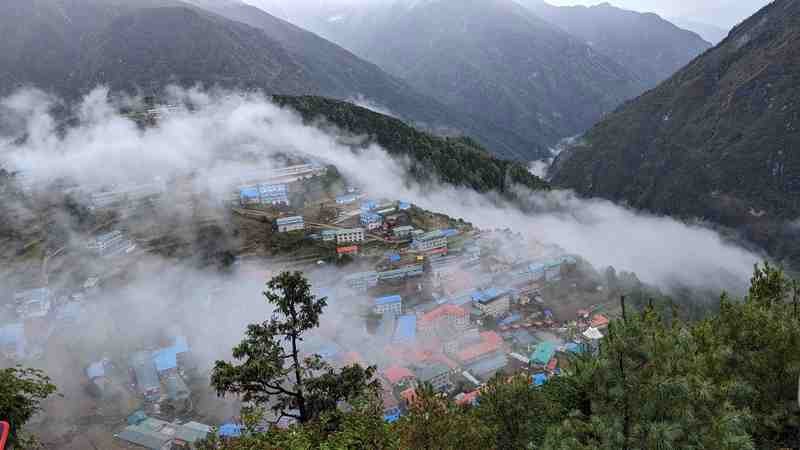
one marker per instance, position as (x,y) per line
(456,161)
(649,46)
(491,59)
(718,140)
(70,46)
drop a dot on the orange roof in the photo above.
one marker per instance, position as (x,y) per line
(395,374)
(444,310)
(599,321)
(490,342)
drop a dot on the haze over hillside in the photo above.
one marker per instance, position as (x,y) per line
(717,140)
(70,46)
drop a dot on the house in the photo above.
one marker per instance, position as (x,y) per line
(485,368)
(402,206)
(413,270)
(370,220)
(287,224)
(157,434)
(403,232)
(348,250)
(444,315)
(434,241)
(175,388)
(397,375)
(345,199)
(349,235)
(599,321)
(362,280)
(391,407)
(111,244)
(492,301)
(544,353)
(368,205)
(273,194)
(437,375)
(12,341)
(467,398)
(490,343)
(230,430)
(406,330)
(146,376)
(390,304)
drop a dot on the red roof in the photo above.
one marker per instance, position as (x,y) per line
(395,374)
(552,364)
(444,310)
(468,398)
(409,395)
(490,342)
(599,321)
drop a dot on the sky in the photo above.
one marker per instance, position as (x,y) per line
(722,13)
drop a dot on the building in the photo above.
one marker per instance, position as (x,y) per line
(544,353)
(492,301)
(389,304)
(274,194)
(403,232)
(349,235)
(431,241)
(437,375)
(349,250)
(249,196)
(362,280)
(12,341)
(370,220)
(599,321)
(157,434)
(346,199)
(146,376)
(406,330)
(368,205)
(111,244)
(409,271)
(391,407)
(489,344)
(287,224)
(444,315)
(398,375)
(403,206)
(328,235)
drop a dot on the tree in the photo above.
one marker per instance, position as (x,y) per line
(271,371)
(21,394)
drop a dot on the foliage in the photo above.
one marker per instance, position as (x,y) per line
(22,392)
(458,161)
(272,372)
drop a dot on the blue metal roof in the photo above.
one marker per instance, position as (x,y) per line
(403,205)
(96,369)
(230,430)
(388,300)
(250,192)
(539,379)
(391,418)
(406,328)
(181,344)
(165,359)
(510,319)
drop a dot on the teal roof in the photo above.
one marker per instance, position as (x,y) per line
(544,352)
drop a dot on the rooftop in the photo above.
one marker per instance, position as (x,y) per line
(406,328)
(395,374)
(490,342)
(388,300)
(442,311)
(544,352)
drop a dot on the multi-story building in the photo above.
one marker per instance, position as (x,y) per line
(403,232)
(111,244)
(433,240)
(362,280)
(287,224)
(274,194)
(406,329)
(438,375)
(328,235)
(409,271)
(444,316)
(371,221)
(494,302)
(349,235)
(389,304)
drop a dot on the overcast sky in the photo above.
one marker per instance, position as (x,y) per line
(722,13)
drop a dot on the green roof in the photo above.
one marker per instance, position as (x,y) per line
(544,352)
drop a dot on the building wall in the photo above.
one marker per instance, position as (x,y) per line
(350,236)
(396,307)
(497,307)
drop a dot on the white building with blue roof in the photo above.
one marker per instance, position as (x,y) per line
(388,304)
